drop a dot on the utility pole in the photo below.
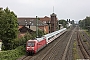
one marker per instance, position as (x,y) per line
(36,26)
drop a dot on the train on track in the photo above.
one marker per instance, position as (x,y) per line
(33,46)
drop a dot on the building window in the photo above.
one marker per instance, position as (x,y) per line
(44,21)
(26,24)
(49,21)
(32,23)
(25,20)
(31,19)
(39,24)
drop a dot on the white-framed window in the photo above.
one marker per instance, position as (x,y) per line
(32,24)
(44,21)
(25,20)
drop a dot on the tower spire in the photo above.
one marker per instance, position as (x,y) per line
(53,9)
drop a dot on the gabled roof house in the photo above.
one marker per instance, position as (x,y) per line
(31,24)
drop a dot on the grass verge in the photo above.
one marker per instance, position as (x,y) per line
(75,51)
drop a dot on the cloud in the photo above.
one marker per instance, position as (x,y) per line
(73,9)
(23,1)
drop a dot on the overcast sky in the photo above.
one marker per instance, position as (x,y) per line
(65,9)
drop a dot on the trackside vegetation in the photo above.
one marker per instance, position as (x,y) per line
(85,23)
(13,47)
(18,48)
(75,51)
(8,28)
(12,54)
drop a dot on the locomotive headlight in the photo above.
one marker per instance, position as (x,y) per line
(27,48)
(32,48)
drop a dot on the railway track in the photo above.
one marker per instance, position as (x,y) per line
(61,48)
(25,58)
(86,41)
(87,38)
(64,57)
(45,56)
(52,52)
(42,52)
(58,52)
(82,47)
(55,53)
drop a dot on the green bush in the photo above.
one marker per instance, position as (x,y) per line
(18,46)
(12,54)
(20,41)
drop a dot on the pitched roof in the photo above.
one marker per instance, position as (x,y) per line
(53,14)
(45,19)
(30,21)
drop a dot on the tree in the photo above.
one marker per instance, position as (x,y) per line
(40,33)
(85,23)
(63,22)
(8,28)
(69,21)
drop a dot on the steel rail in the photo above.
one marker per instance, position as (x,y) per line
(82,48)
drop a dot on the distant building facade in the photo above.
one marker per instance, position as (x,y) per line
(31,24)
(46,24)
(47,20)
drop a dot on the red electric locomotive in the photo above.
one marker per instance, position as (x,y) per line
(33,46)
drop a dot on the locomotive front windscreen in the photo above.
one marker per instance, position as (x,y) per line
(31,44)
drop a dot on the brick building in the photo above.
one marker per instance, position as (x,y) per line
(53,22)
(31,24)
(47,24)
(47,20)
